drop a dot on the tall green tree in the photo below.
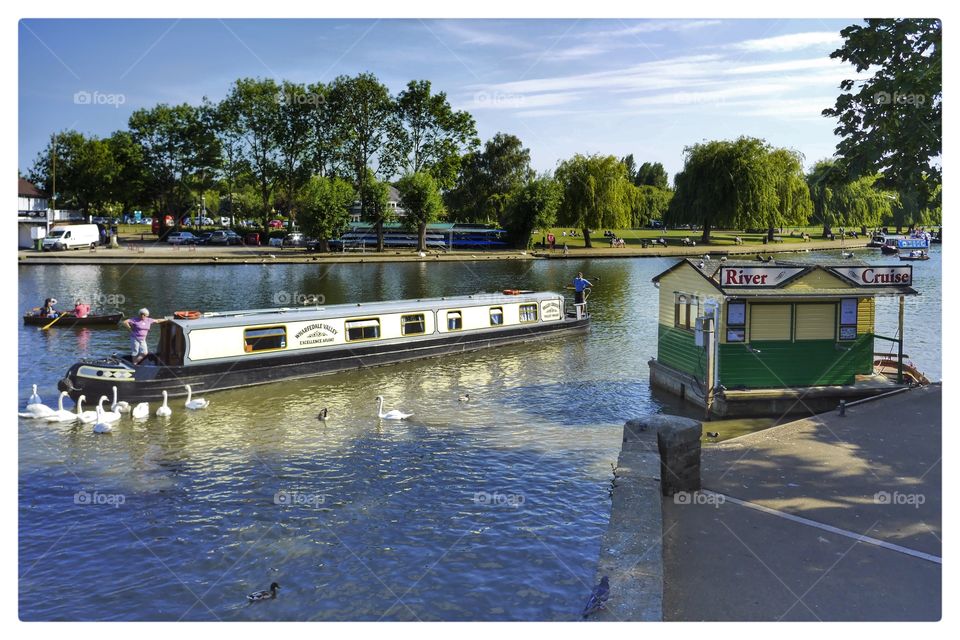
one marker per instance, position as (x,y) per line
(420,199)
(793,205)
(891,122)
(594,194)
(488,178)
(85,170)
(432,136)
(127,187)
(839,200)
(724,184)
(295,145)
(324,205)
(367,126)
(252,112)
(652,174)
(647,203)
(631,166)
(375,198)
(533,206)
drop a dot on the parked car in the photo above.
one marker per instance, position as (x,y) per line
(234,238)
(275,242)
(224,237)
(294,239)
(182,237)
(275,224)
(252,239)
(71,236)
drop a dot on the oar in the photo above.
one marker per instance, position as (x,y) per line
(55,321)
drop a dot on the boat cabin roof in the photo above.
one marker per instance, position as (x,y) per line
(356,310)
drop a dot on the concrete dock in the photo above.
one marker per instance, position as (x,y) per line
(827,518)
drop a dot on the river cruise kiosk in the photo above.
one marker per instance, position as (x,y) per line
(213,351)
(776,338)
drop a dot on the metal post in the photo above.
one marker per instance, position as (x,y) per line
(900,345)
(709,337)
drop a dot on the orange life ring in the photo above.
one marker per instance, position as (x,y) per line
(186,315)
(511,292)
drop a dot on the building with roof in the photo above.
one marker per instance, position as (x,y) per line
(771,337)
(393,203)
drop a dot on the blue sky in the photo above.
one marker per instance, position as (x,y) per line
(647,87)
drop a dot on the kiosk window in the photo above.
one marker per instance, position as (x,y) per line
(412,325)
(685,311)
(848,319)
(454,321)
(496,316)
(770,322)
(264,339)
(368,329)
(736,321)
(816,321)
(528,313)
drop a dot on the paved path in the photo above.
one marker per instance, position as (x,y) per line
(827,480)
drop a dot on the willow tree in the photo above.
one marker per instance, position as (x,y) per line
(647,203)
(594,194)
(725,184)
(839,200)
(793,195)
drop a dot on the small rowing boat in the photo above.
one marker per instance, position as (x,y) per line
(914,255)
(73,321)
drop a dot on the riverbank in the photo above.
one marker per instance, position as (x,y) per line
(826,518)
(156,253)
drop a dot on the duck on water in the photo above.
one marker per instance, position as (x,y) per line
(215,351)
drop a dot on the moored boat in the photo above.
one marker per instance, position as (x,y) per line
(218,351)
(895,245)
(914,256)
(107,319)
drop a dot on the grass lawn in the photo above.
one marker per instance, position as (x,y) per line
(675,236)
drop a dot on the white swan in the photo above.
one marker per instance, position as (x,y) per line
(119,407)
(464,397)
(195,403)
(163,410)
(86,417)
(101,426)
(393,414)
(106,416)
(35,407)
(61,414)
(140,411)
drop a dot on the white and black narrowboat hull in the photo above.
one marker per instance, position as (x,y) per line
(146,382)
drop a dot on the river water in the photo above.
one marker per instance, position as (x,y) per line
(487,510)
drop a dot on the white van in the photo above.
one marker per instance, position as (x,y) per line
(74,236)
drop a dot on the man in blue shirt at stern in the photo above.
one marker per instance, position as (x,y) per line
(579,285)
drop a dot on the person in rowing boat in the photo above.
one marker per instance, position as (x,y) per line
(48,310)
(81,310)
(139,328)
(580,284)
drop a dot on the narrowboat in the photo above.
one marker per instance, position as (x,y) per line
(227,350)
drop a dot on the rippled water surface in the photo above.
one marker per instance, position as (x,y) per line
(489,510)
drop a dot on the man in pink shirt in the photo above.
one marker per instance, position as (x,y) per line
(139,328)
(81,310)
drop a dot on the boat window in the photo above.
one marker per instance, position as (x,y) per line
(366,329)
(454,321)
(412,325)
(264,339)
(496,316)
(528,312)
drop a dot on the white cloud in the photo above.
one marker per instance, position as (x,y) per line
(790,42)
(648,26)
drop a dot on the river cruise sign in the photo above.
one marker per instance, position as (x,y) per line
(758,276)
(877,276)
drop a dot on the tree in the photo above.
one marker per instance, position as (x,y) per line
(488,178)
(295,146)
(793,206)
(891,123)
(432,136)
(420,199)
(366,124)
(631,166)
(128,185)
(646,203)
(86,169)
(533,206)
(594,194)
(375,196)
(724,184)
(839,200)
(252,112)
(652,174)
(324,205)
